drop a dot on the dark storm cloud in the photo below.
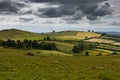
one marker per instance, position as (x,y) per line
(90,17)
(89,8)
(71,9)
(57,12)
(9,6)
(67,1)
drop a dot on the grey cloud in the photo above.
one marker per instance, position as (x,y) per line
(115,23)
(9,6)
(89,8)
(76,16)
(104,10)
(70,9)
(67,1)
(57,12)
(90,17)
(25,19)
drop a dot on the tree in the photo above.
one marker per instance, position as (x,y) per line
(84,46)
(29,46)
(93,31)
(99,54)
(53,31)
(114,53)
(19,44)
(48,38)
(49,46)
(35,44)
(75,49)
(86,53)
(86,37)
(42,33)
(89,30)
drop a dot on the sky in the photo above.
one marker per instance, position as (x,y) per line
(59,15)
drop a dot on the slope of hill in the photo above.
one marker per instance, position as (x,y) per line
(16,34)
(81,36)
(62,33)
(68,35)
(84,35)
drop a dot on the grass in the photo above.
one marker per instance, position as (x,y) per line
(80,36)
(32,38)
(96,52)
(109,47)
(62,33)
(63,47)
(15,65)
(17,34)
(83,35)
(54,65)
(110,38)
(100,40)
(35,52)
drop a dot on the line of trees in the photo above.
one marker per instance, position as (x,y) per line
(84,46)
(28,44)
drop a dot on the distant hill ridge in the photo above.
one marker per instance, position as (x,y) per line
(16,33)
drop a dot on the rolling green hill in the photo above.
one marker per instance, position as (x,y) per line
(70,35)
(17,34)
(61,64)
(62,33)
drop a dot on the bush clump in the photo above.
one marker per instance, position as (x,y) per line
(99,54)
(30,54)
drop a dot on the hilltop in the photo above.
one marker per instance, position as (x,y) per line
(62,35)
(16,34)
(71,35)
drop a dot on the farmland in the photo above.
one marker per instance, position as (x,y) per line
(16,65)
(60,63)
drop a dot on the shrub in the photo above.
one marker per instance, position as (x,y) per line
(99,54)
(37,52)
(30,54)
(87,53)
(114,53)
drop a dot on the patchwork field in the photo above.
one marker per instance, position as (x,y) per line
(60,63)
(98,40)
(109,47)
(81,35)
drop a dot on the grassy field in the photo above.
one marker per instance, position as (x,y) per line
(95,52)
(57,65)
(18,34)
(62,33)
(110,38)
(63,47)
(16,65)
(72,35)
(109,47)
(80,36)
(83,35)
(100,40)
